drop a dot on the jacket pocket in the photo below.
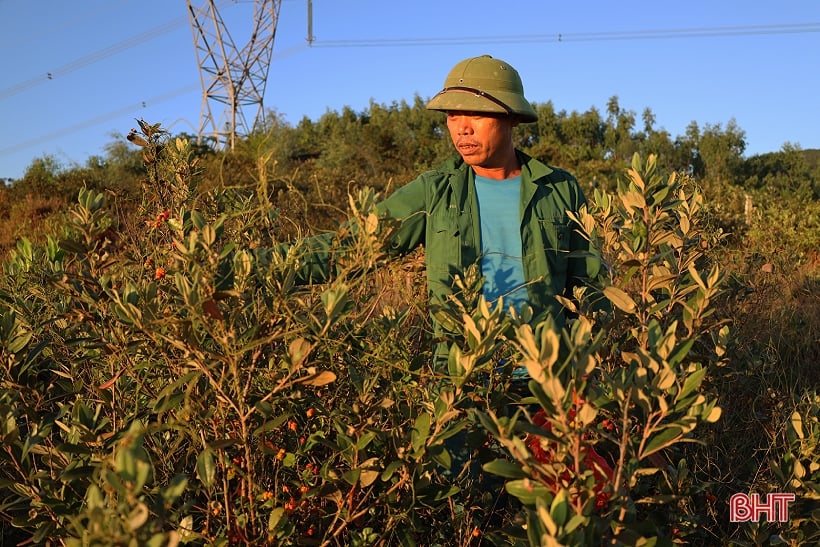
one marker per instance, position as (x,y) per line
(555,233)
(444,242)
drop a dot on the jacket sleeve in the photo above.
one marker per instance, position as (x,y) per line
(585,266)
(317,255)
(408,207)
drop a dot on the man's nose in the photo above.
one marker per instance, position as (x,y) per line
(463,125)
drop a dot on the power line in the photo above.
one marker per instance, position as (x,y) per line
(98,119)
(704,32)
(687,33)
(92,58)
(793,28)
(96,56)
(22,145)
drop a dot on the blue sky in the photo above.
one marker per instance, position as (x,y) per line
(111,61)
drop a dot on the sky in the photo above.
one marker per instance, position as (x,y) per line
(78,73)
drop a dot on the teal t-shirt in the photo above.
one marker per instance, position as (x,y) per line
(498,204)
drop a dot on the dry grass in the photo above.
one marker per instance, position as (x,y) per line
(28,217)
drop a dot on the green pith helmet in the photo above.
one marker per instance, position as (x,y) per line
(484,84)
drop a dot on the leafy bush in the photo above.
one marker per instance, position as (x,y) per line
(166,381)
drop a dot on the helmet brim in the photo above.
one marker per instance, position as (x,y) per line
(467,100)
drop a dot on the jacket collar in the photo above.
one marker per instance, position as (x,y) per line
(534,168)
(534,174)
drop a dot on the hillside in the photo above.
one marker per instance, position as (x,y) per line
(169,374)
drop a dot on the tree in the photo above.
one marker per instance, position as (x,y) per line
(722,151)
(620,125)
(40,177)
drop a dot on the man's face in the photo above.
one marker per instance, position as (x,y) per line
(483,140)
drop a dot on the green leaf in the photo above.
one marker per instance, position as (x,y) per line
(159,539)
(721,340)
(574,522)
(447,492)
(168,401)
(138,516)
(620,299)
(454,366)
(18,341)
(321,378)
(797,425)
(73,247)
(527,491)
(115,482)
(71,448)
(660,196)
(198,220)
(275,517)
(78,472)
(441,456)
(554,389)
(681,352)
(176,487)
(208,235)
(504,468)
(206,467)
(298,351)
(667,437)
(271,424)
(222,443)
(390,469)
(436,492)
(420,432)
(559,510)
(144,469)
(93,497)
(44,530)
(636,165)
(25,249)
(365,440)
(351,476)
(633,200)
(336,302)
(692,382)
(713,414)
(587,414)
(369,472)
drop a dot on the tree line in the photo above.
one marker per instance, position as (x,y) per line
(310,166)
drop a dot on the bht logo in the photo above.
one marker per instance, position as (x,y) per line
(749,507)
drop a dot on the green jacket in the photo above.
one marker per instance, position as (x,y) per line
(439,210)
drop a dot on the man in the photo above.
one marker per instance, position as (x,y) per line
(492,205)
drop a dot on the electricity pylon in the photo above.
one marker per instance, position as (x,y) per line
(232,77)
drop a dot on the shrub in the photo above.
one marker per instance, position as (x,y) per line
(165,380)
